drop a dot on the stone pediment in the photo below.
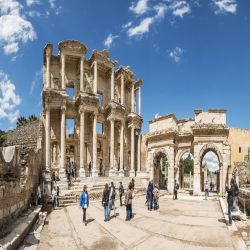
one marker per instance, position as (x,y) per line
(210,129)
(54,98)
(115,109)
(73,46)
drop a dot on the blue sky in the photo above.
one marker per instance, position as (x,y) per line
(190,54)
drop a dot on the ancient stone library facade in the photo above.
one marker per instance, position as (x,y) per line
(104,107)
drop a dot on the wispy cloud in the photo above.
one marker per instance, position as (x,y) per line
(140,7)
(37,80)
(109,40)
(225,6)
(180,8)
(32,2)
(176,54)
(142,28)
(9,100)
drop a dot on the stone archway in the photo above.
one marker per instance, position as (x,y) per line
(205,149)
(160,168)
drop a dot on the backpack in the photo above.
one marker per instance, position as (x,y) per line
(113,193)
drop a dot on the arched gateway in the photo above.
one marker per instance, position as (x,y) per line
(206,132)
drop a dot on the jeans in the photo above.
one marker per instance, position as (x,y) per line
(230,214)
(206,194)
(84,214)
(112,206)
(120,199)
(106,212)
(128,212)
(150,202)
(175,195)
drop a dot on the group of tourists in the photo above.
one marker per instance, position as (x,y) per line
(108,200)
(71,171)
(152,196)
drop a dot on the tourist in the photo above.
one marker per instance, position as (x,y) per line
(133,183)
(121,192)
(128,202)
(73,169)
(57,195)
(84,202)
(232,192)
(150,195)
(211,186)
(156,195)
(68,172)
(206,190)
(176,187)
(101,169)
(53,196)
(112,198)
(105,202)
(90,168)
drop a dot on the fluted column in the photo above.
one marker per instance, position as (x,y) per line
(122,89)
(121,172)
(63,135)
(63,70)
(112,147)
(82,74)
(112,84)
(139,101)
(48,56)
(139,153)
(95,77)
(132,167)
(82,144)
(94,151)
(133,98)
(47,138)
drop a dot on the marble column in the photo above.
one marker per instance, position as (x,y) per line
(121,172)
(48,56)
(112,147)
(122,89)
(112,84)
(82,74)
(139,101)
(94,151)
(63,135)
(139,153)
(47,138)
(63,70)
(133,98)
(82,144)
(95,78)
(132,167)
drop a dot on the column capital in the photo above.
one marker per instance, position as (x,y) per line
(63,108)
(82,110)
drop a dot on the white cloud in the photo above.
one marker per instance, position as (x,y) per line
(32,2)
(211,160)
(139,8)
(37,79)
(9,100)
(225,6)
(52,3)
(176,53)
(161,10)
(180,8)
(14,28)
(109,40)
(126,25)
(142,28)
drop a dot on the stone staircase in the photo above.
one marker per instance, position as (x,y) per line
(70,195)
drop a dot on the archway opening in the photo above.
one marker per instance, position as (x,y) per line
(186,171)
(161,170)
(210,171)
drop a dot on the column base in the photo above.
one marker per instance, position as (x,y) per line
(112,173)
(94,173)
(121,173)
(82,173)
(132,173)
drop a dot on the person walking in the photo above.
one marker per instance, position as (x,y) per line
(112,198)
(176,187)
(156,195)
(68,172)
(105,202)
(84,203)
(150,195)
(206,190)
(121,192)
(232,191)
(57,195)
(128,202)
(90,168)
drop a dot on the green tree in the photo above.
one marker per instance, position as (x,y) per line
(21,121)
(188,164)
(32,118)
(2,137)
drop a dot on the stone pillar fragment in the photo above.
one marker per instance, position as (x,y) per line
(139,101)
(133,98)
(47,138)
(94,151)
(82,74)
(48,83)
(121,172)
(132,167)
(122,89)
(63,71)
(63,135)
(82,144)
(112,147)
(95,78)
(139,153)
(112,84)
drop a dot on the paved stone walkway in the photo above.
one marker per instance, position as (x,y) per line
(181,224)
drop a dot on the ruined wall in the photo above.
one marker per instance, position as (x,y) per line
(239,140)
(19,179)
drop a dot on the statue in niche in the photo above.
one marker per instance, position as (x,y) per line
(116,94)
(54,153)
(89,84)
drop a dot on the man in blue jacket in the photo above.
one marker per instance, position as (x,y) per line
(84,202)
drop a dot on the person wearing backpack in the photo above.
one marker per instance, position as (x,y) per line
(121,192)
(176,187)
(84,202)
(105,202)
(112,198)
(232,192)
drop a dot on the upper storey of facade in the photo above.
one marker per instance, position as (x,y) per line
(70,75)
(213,119)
